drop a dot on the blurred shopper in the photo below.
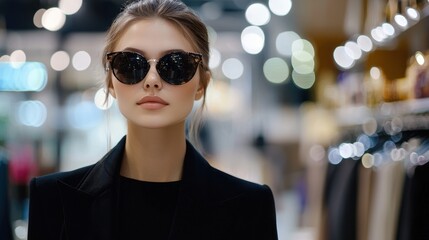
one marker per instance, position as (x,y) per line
(153,184)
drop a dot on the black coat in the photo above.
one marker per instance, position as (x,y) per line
(81,204)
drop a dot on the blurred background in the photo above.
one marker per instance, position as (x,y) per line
(325,101)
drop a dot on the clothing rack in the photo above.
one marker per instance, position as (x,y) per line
(386,199)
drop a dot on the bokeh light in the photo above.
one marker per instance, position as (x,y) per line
(17,58)
(303,45)
(60,60)
(370,126)
(276,70)
(353,50)
(303,81)
(342,58)
(100,99)
(375,73)
(4,59)
(284,42)
(346,150)
(280,7)
(413,13)
(252,39)
(334,156)
(37,18)
(30,76)
(32,113)
(401,20)
(53,19)
(420,58)
(302,62)
(232,68)
(317,152)
(81,113)
(215,58)
(258,14)
(70,6)
(81,60)
(365,43)
(367,160)
(222,100)
(388,29)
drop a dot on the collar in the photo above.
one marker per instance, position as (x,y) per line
(89,208)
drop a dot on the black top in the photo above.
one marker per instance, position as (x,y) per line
(83,204)
(146,209)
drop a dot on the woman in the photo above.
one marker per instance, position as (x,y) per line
(153,184)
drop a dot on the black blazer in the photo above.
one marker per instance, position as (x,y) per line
(81,204)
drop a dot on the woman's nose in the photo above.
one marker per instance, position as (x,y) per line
(153,80)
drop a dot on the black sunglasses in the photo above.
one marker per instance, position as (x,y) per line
(175,68)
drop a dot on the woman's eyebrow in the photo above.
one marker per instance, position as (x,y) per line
(131,49)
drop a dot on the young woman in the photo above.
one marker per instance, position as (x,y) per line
(153,184)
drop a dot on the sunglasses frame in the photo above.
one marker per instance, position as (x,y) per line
(197,58)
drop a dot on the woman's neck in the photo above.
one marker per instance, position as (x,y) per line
(154,155)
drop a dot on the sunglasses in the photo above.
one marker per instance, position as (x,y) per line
(175,68)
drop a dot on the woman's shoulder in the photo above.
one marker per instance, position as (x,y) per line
(72,178)
(226,186)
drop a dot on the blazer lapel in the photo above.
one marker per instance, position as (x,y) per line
(90,207)
(192,197)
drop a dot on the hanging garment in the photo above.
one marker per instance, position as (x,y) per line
(5,224)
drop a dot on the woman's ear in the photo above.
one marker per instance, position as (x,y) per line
(200,91)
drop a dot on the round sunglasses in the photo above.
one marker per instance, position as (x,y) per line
(175,68)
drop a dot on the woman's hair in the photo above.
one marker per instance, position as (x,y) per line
(180,15)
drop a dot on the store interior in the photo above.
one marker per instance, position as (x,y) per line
(326,102)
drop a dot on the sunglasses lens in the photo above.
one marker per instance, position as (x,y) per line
(129,67)
(178,67)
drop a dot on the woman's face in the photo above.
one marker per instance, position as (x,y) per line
(153,103)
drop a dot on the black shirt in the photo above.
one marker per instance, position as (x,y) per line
(146,209)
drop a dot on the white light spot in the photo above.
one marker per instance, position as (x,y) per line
(17,58)
(252,39)
(420,58)
(215,58)
(37,18)
(60,60)
(353,50)
(401,20)
(232,68)
(100,99)
(375,73)
(258,14)
(334,156)
(303,45)
(81,60)
(413,13)
(53,19)
(388,29)
(364,43)
(342,58)
(284,42)
(280,7)
(70,6)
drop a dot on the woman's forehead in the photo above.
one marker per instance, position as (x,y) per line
(153,35)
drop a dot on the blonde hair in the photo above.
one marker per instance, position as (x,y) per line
(186,20)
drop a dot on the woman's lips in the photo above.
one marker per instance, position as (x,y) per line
(152,102)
